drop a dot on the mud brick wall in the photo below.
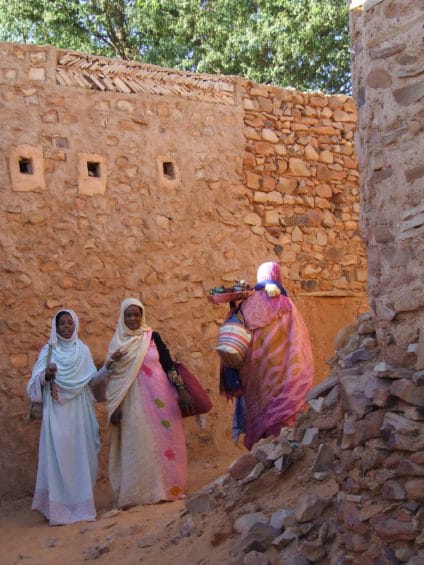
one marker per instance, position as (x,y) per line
(121,179)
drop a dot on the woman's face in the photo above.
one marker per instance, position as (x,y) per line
(65,325)
(132,317)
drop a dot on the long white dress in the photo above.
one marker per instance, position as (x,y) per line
(69,436)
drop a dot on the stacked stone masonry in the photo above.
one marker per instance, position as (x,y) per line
(381,415)
(380,468)
(389,90)
(301,169)
(122,179)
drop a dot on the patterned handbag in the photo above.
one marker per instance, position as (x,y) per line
(233,340)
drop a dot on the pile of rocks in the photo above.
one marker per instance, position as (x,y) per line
(381,452)
(361,443)
(303,459)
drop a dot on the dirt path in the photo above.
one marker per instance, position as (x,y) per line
(25,536)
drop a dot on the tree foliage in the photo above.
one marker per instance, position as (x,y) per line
(299,43)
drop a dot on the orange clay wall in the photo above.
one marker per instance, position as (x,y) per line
(122,179)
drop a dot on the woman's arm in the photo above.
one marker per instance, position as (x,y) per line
(106,370)
(165,359)
(167,363)
(43,371)
(35,385)
(100,375)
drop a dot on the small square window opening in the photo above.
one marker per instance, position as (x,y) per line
(26,166)
(93,169)
(168,170)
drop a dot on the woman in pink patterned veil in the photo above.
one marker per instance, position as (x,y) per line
(147,459)
(278,371)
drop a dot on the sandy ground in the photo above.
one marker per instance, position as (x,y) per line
(163,534)
(26,537)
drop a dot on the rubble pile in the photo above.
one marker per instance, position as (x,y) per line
(345,485)
(380,474)
(361,443)
(303,459)
(302,533)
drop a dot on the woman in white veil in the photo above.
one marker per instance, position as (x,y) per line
(69,438)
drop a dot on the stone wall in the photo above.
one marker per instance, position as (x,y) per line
(301,168)
(381,462)
(381,418)
(389,89)
(123,179)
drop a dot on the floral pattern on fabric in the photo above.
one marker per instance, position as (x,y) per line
(175,491)
(160,403)
(147,372)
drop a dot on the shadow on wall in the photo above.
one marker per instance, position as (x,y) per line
(324,317)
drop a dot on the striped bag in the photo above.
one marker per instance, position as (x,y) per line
(233,341)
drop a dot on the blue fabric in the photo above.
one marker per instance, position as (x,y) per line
(262,284)
(234,318)
(230,381)
(239,418)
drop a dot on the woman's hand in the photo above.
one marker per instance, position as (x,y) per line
(116,417)
(185,402)
(116,356)
(51,371)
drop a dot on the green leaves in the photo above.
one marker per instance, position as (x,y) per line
(299,43)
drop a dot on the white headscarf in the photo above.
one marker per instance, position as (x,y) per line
(270,274)
(75,366)
(133,344)
(55,338)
